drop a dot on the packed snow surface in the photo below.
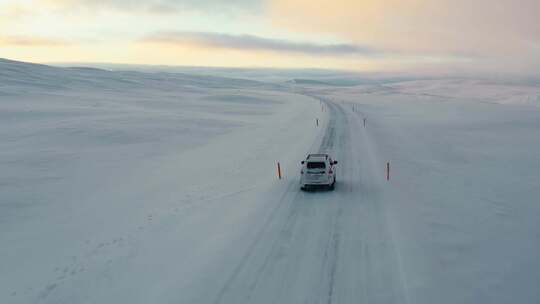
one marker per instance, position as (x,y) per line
(159,186)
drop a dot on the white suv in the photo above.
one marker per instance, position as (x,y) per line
(318,170)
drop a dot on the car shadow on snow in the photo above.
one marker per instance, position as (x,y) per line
(342,187)
(313,189)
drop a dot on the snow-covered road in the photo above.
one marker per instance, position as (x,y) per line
(323,247)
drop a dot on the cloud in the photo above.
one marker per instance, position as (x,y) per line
(486,29)
(28,41)
(250,42)
(160,6)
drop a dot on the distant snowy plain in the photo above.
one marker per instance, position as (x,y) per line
(159,186)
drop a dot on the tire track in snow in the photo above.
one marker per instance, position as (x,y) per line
(330,259)
(288,196)
(387,285)
(245,258)
(284,236)
(333,249)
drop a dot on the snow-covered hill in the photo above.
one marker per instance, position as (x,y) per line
(90,158)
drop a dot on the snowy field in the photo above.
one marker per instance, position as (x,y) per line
(159,186)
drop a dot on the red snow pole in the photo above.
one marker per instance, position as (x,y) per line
(388,171)
(279,170)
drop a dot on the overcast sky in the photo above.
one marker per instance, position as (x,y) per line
(500,36)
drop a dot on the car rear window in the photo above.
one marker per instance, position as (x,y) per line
(316,165)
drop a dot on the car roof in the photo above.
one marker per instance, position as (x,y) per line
(317,157)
